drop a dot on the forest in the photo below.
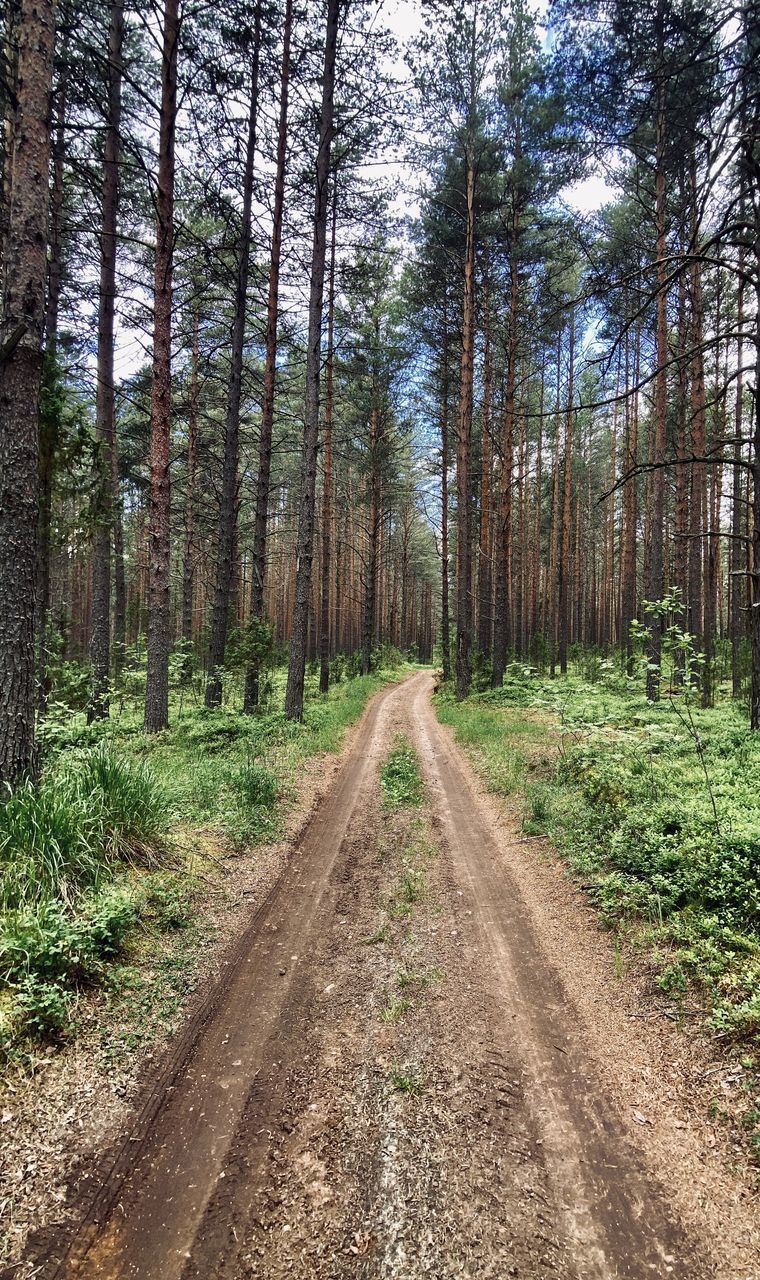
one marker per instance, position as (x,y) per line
(348,345)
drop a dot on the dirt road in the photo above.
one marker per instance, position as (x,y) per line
(392,1081)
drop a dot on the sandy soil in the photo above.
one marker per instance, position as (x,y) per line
(416,1063)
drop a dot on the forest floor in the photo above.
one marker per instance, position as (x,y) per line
(418,1059)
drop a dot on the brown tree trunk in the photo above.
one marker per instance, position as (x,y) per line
(105,406)
(485,605)
(305,545)
(370,611)
(445,619)
(263,479)
(21,337)
(220,616)
(324,623)
(188,558)
(551,612)
(738,553)
(630,507)
(157,687)
(655,569)
(49,421)
(464,439)
(563,606)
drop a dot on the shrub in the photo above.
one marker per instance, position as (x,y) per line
(50,944)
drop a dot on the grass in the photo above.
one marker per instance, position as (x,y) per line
(628,791)
(394,1008)
(404,1079)
(400,782)
(101,848)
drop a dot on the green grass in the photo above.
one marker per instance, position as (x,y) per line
(405,1079)
(394,1008)
(400,782)
(98,847)
(621,789)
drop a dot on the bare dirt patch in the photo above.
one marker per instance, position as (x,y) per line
(60,1116)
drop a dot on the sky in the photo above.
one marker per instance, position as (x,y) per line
(403,17)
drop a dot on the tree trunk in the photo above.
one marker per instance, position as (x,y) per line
(105,427)
(445,619)
(324,623)
(738,553)
(49,417)
(563,612)
(485,605)
(220,617)
(188,559)
(21,337)
(502,621)
(157,687)
(655,575)
(374,529)
(305,546)
(464,438)
(263,479)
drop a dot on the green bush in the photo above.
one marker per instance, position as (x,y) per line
(49,943)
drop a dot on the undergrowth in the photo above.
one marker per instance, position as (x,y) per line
(400,782)
(96,852)
(657,810)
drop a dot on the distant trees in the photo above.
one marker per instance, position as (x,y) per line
(285,438)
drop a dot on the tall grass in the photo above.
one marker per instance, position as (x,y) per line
(58,837)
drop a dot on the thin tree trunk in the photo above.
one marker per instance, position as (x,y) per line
(220,616)
(105,426)
(21,337)
(188,559)
(157,687)
(263,480)
(374,529)
(502,620)
(464,438)
(738,554)
(550,603)
(324,637)
(563,612)
(305,545)
(655,576)
(485,606)
(445,619)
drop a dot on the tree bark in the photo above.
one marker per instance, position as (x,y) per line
(49,418)
(563,612)
(485,604)
(305,546)
(20,383)
(157,687)
(655,574)
(502,621)
(445,618)
(324,620)
(375,522)
(188,558)
(464,442)
(105,409)
(263,479)
(738,553)
(220,617)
